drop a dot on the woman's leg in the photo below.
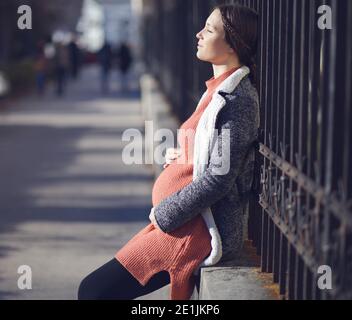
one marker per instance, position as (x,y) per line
(113,281)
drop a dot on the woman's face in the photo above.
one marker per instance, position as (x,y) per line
(212,46)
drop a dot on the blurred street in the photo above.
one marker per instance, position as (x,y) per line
(67,201)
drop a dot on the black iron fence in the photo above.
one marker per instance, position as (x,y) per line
(301,222)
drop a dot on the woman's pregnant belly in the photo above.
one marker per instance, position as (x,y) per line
(172,179)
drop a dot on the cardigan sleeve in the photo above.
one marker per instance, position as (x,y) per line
(240,119)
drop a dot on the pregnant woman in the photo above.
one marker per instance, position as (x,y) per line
(200,197)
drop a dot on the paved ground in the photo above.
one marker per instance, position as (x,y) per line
(67,201)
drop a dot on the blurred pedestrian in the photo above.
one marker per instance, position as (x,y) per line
(105,59)
(124,62)
(74,54)
(61,65)
(40,67)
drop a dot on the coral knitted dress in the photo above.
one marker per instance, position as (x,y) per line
(181,251)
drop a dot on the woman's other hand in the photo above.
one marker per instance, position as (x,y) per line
(171,155)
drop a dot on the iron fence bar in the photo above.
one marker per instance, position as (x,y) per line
(290,272)
(305,282)
(330,56)
(282,264)
(264,242)
(269,256)
(300,278)
(276,23)
(276,255)
(348,103)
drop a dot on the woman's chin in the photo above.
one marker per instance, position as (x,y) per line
(200,57)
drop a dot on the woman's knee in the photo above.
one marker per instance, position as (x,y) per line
(106,282)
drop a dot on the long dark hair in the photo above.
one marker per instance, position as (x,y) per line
(241,33)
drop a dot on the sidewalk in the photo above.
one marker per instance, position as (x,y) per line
(67,201)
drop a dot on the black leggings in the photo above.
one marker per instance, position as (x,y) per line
(113,281)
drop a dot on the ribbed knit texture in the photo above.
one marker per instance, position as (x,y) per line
(179,252)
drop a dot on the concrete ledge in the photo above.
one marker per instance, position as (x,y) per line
(239,279)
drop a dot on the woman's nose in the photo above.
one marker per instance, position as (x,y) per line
(198,35)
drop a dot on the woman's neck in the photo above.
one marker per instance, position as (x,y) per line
(218,70)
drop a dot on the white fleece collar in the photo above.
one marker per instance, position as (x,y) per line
(229,84)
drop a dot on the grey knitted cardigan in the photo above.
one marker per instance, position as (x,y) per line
(219,195)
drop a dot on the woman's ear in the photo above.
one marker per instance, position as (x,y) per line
(229,48)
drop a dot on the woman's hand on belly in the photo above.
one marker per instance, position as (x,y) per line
(171,155)
(152,219)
